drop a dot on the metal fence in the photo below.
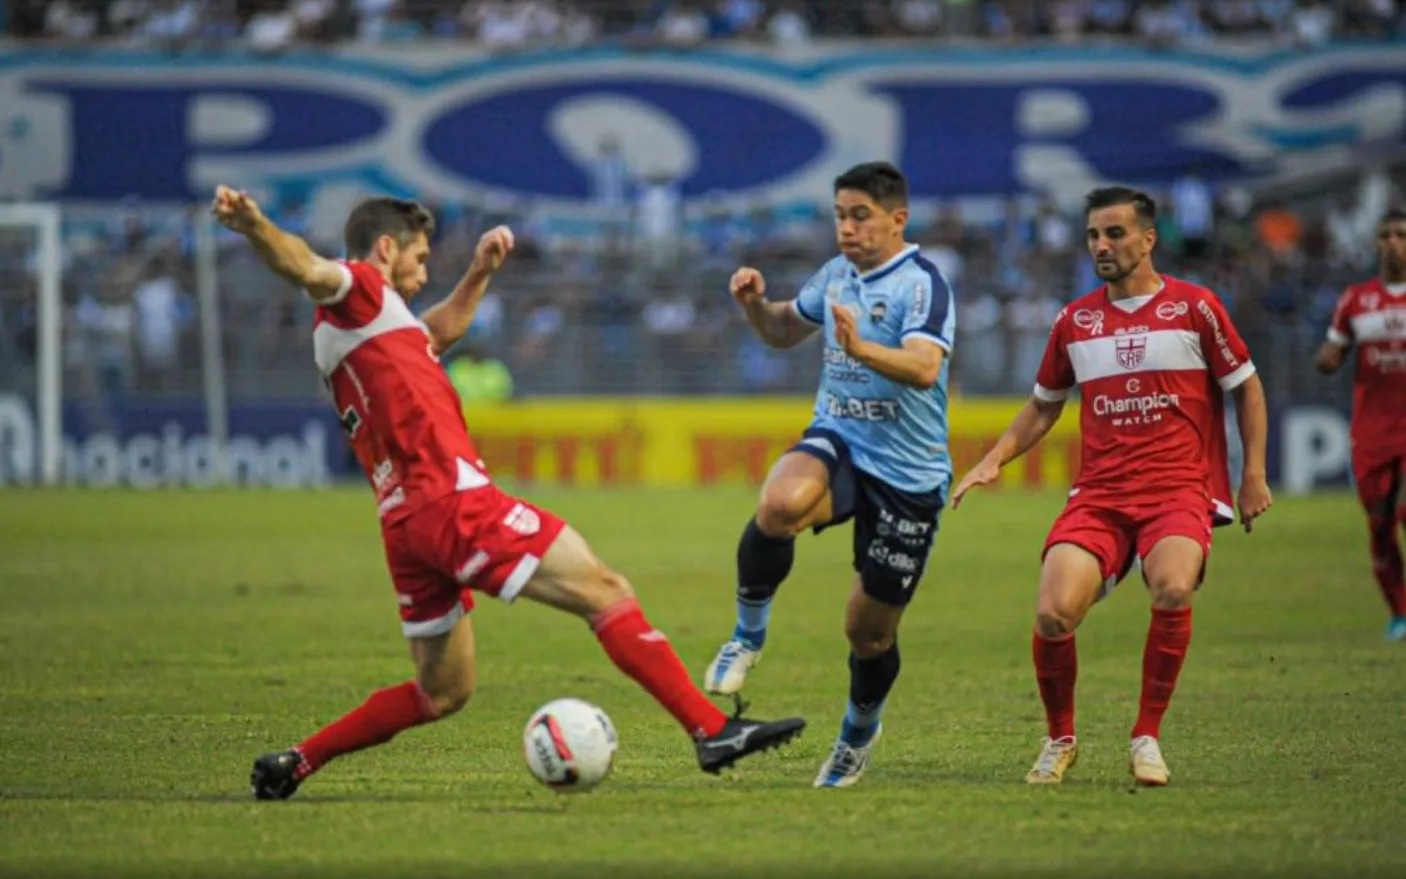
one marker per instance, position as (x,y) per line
(603,316)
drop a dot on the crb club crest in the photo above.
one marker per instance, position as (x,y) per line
(1132,351)
(1396,324)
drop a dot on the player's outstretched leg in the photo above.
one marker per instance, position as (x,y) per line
(874,662)
(794,497)
(572,579)
(443,683)
(1070,581)
(1173,569)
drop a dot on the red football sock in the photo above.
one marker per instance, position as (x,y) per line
(385,713)
(1167,638)
(1056,669)
(1386,563)
(643,653)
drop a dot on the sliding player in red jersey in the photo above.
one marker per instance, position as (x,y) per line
(447,529)
(1372,317)
(1151,357)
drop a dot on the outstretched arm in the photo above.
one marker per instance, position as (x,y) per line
(778,324)
(285,253)
(448,320)
(1029,427)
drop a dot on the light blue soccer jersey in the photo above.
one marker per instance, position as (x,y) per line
(895,432)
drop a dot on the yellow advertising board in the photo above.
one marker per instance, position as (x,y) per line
(678,442)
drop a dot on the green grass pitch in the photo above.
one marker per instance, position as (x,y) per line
(152,644)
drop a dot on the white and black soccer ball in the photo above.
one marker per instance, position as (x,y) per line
(570,745)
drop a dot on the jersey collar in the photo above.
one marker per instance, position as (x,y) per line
(887,268)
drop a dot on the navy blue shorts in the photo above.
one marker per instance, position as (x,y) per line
(894,529)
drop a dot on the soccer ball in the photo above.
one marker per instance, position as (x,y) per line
(570,745)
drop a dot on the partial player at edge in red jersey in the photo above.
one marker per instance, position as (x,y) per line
(1152,357)
(1372,317)
(447,529)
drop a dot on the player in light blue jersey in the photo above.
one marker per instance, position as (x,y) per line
(876,451)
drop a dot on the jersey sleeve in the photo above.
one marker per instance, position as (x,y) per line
(928,312)
(1056,376)
(359,299)
(1227,355)
(1340,330)
(810,303)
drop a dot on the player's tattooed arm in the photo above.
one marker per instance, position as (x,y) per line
(778,324)
(449,320)
(285,253)
(1029,427)
(917,364)
(1252,414)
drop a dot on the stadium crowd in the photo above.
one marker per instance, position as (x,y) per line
(506,25)
(578,313)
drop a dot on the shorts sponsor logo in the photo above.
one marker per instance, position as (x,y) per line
(523,520)
(895,561)
(471,568)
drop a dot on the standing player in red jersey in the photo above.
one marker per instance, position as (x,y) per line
(1372,316)
(1151,357)
(446,527)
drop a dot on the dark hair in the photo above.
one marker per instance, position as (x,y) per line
(881,181)
(1111,196)
(1395,215)
(400,218)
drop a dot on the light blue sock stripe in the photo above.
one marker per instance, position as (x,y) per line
(753,617)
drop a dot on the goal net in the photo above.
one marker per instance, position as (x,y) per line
(31,380)
(109,335)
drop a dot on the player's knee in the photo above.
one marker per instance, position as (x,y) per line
(1170,592)
(447,699)
(867,643)
(1055,619)
(781,512)
(604,589)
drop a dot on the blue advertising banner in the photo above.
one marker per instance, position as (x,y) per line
(98,127)
(160,444)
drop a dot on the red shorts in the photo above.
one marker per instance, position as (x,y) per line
(482,540)
(1379,480)
(1121,536)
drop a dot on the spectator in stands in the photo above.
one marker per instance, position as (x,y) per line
(479,378)
(789,26)
(1192,205)
(1279,230)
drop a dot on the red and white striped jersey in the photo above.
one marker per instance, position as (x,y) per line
(1151,372)
(396,403)
(1372,316)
